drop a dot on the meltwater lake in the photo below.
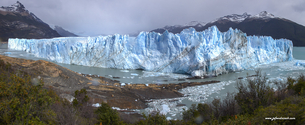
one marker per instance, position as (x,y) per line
(172,108)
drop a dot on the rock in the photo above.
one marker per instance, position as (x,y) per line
(179,104)
(181,79)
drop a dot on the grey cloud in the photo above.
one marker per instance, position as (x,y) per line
(129,16)
(299,7)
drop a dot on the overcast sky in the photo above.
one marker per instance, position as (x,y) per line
(92,17)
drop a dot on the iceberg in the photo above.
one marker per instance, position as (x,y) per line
(209,52)
(298,63)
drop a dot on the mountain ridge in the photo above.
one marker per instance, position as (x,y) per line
(61,31)
(262,24)
(17,22)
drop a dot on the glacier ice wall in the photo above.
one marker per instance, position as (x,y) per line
(209,52)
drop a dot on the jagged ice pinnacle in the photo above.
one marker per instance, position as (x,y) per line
(209,52)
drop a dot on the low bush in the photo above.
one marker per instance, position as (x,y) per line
(256,92)
(153,120)
(290,111)
(107,116)
(21,102)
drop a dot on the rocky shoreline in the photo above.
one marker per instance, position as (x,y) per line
(100,89)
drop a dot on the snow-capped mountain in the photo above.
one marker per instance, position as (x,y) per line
(195,23)
(264,23)
(240,18)
(234,18)
(264,15)
(17,22)
(19,8)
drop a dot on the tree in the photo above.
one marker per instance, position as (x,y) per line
(107,116)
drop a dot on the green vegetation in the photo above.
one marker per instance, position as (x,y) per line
(153,120)
(107,115)
(254,103)
(23,101)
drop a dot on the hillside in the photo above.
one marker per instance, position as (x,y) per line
(17,22)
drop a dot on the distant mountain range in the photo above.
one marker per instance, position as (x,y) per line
(17,22)
(262,24)
(61,31)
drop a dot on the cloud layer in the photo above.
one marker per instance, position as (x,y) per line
(93,17)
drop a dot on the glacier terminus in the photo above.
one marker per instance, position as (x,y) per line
(205,53)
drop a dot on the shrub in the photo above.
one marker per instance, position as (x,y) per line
(254,94)
(79,112)
(300,85)
(239,120)
(153,120)
(107,116)
(292,107)
(199,114)
(21,102)
(229,107)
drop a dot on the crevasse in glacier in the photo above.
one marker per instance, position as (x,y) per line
(209,52)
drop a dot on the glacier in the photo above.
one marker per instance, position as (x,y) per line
(205,53)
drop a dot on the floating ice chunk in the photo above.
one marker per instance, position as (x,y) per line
(117,108)
(123,84)
(299,64)
(124,70)
(134,74)
(146,84)
(168,118)
(165,109)
(96,105)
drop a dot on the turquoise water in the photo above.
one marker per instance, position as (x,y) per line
(299,53)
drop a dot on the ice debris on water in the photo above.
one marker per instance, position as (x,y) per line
(124,70)
(209,52)
(119,109)
(168,118)
(134,74)
(96,105)
(298,63)
(197,94)
(165,109)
